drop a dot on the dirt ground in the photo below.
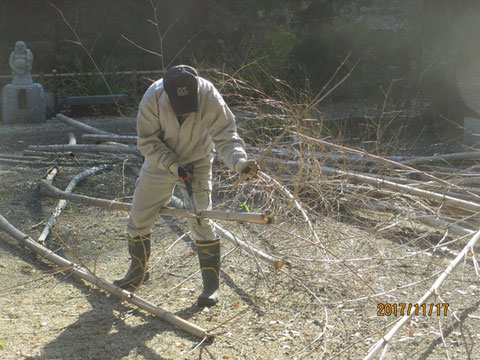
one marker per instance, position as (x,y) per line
(319,308)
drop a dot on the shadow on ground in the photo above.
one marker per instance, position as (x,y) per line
(104,333)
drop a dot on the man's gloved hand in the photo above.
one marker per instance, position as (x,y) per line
(247,169)
(180,171)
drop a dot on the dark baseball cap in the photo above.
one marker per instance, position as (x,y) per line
(181,84)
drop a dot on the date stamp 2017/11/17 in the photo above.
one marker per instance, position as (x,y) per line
(387,309)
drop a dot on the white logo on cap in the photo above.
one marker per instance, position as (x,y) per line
(182,91)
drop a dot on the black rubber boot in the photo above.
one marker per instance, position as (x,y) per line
(139,250)
(209,257)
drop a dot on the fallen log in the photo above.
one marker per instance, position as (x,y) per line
(54,192)
(384,341)
(80,125)
(86,275)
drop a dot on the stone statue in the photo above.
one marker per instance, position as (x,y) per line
(23,100)
(21,60)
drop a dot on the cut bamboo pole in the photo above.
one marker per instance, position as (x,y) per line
(116,149)
(127,139)
(405,189)
(40,163)
(291,154)
(429,220)
(227,235)
(396,160)
(62,203)
(86,275)
(26,157)
(54,192)
(80,125)
(49,154)
(392,163)
(472,155)
(379,345)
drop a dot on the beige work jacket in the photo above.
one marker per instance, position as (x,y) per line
(162,141)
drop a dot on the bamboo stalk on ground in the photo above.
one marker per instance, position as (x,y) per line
(62,203)
(127,139)
(471,155)
(54,192)
(49,154)
(467,193)
(405,189)
(86,275)
(385,340)
(392,163)
(26,157)
(227,235)
(116,149)
(429,220)
(80,125)
(40,163)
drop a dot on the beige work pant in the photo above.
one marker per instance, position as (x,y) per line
(154,190)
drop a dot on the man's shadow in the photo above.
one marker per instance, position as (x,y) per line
(102,332)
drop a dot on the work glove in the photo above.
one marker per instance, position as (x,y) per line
(183,173)
(247,169)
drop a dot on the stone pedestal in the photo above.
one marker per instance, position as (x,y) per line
(23,104)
